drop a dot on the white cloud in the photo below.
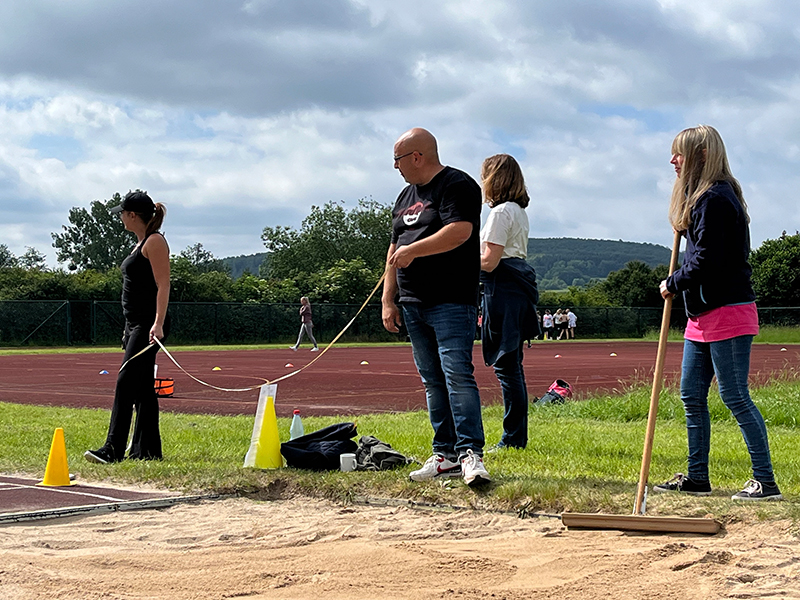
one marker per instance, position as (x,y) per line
(243,115)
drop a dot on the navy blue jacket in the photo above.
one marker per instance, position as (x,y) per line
(715,271)
(509,308)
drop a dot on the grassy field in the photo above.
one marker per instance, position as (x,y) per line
(768,334)
(582,456)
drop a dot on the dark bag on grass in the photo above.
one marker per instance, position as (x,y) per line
(320,450)
(558,393)
(375,455)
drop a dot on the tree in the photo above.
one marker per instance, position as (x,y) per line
(634,285)
(346,281)
(202,260)
(329,234)
(7,258)
(95,239)
(32,259)
(776,271)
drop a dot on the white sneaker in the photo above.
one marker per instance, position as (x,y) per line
(293,348)
(315,349)
(436,466)
(475,473)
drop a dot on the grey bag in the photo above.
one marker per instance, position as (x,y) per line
(375,455)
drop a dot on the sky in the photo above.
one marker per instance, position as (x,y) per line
(242,114)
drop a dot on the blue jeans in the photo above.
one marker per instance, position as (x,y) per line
(442,337)
(508,369)
(729,360)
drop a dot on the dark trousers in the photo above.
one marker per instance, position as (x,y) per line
(508,369)
(136,390)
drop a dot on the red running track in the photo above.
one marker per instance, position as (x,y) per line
(338,384)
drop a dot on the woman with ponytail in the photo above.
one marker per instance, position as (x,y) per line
(708,208)
(145,296)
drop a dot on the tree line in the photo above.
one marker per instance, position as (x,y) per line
(337,255)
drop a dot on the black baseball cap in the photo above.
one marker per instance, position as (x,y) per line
(138,202)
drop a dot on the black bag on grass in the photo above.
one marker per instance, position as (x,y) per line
(320,450)
(375,455)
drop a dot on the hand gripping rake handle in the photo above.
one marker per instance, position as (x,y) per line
(638,507)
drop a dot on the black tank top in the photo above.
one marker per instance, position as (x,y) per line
(139,289)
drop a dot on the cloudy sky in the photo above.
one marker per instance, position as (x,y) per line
(239,114)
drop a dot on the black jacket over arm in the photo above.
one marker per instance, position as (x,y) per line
(509,308)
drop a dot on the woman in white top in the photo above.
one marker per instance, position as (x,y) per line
(509,290)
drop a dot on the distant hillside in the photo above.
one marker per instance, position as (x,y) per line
(561,262)
(245,262)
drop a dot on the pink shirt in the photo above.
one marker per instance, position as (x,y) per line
(723,323)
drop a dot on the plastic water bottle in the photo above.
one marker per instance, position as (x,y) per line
(296,429)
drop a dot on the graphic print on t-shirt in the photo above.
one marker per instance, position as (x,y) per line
(412,213)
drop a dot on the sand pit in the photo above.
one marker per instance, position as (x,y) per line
(299,548)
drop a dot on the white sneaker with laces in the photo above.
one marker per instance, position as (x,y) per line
(315,349)
(475,473)
(436,466)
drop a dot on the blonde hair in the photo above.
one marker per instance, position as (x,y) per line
(704,164)
(502,181)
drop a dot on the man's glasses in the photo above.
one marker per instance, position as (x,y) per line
(396,158)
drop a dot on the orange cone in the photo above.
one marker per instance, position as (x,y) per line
(57,472)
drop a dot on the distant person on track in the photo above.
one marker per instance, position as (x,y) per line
(509,291)
(708,208)
(547,325)
(432,270)
(560,321)
(572,322)
(145,296)
(306,325)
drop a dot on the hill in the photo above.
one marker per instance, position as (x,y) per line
(244,262)
(561,262)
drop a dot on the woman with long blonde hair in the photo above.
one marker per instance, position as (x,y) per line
(708,208)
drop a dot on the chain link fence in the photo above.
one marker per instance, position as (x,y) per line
(84,322)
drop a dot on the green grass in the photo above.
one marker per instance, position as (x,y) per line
(768,334)
(582,456)
(199,348)
(771,334)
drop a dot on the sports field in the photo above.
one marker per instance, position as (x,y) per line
(582,456)
(338,383)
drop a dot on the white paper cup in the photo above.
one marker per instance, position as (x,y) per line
(347,462)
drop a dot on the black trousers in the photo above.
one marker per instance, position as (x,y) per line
(136,390)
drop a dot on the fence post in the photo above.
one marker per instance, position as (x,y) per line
(93,322)
(69,323)
(216,333)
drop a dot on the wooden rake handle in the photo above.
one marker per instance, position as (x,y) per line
(657,383)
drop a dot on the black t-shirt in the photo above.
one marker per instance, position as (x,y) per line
(421,211)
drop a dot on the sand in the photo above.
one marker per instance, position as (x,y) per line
(301,548)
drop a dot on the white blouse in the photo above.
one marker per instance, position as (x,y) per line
(507,226)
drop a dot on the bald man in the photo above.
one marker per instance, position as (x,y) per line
(431,286)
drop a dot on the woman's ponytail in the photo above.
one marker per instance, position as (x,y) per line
(154,224)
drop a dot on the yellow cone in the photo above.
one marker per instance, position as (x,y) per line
(57,472)
(265,445)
